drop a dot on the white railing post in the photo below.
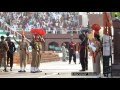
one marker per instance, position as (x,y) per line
(65,31)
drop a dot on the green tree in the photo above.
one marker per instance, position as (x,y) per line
(113,14)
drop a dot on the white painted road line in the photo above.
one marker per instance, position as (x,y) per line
(48,75)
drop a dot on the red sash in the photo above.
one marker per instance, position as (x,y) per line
(94,55)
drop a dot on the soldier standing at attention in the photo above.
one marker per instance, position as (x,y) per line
(36,53)
(40,41)
(3,52)
(23,53)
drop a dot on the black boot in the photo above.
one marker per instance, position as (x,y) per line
(82,70)
(75,62)
(5,70)
(86,68)
(69,61)
(11,69)
(83,67)
(20,71)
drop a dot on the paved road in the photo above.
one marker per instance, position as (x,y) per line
(56,69)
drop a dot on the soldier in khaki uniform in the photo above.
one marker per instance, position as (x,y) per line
(3,52)
(36,53)
(23,53)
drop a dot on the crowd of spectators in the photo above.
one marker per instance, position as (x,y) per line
(50,21)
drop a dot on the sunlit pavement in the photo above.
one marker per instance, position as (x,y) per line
(56,69)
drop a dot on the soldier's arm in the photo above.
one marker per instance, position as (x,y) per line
(27,45)
(30,43)
(26,48)
(41,39)
(14,47)
(83,41)
(7,47)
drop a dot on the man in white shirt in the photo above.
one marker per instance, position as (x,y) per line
(64,52)
(107,43)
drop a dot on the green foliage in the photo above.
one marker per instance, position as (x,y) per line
(113,14)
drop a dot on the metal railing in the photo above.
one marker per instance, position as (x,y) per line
(62,31)
(8,28)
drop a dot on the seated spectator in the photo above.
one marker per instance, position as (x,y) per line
(28,20)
